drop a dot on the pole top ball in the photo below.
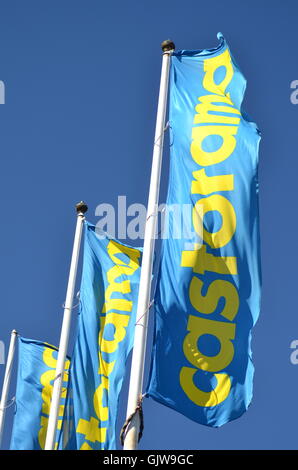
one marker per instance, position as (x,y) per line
(81,207)
(167,45)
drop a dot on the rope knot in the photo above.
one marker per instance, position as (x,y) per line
(125,427)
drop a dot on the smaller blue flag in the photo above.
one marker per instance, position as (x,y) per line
(36,374)
(108,295)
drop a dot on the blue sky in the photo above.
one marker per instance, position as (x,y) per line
(81,84)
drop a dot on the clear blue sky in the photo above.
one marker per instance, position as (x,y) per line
(81,82)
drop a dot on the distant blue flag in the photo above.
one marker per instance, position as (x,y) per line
(108,295)
(36,373)
(208,288)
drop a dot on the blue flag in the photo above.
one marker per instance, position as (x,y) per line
(108,294)
(36,373)
(208,287)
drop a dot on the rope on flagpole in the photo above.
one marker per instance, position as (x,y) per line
(66,371)
(147,310)
(163,131)
(138,410)
(8,404)
(154,214)
(70,308)
(73,306)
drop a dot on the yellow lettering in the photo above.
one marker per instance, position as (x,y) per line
(200,261)
(206,157)
(210,184)
(210,66)
(105,368)
(200,398)
(207,104)
(42,433)
(121,268)
(218,203)
(118,304)
(46,393)
(49,359)
(85,446)
(102,412)
(91,430)
(46,381)
(224,332)
(207,303)
(120,322)
(133,254)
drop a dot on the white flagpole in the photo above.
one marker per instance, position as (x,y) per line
(64,337)
(6,381)
(138,357)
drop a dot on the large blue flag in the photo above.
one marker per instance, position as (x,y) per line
(108,294)
(208,288)
(36,374)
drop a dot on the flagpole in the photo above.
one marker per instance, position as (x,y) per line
(139,350)
(6,381)
(81,208)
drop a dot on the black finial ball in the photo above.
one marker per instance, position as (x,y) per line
(81,207)
(167,45)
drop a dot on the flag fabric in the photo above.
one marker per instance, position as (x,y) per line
(208,287)
(108,297)
(36,374)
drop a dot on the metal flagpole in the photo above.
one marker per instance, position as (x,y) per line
(64,337)
(6,381)
(138,357)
